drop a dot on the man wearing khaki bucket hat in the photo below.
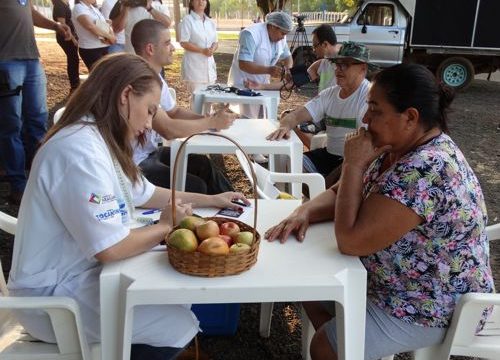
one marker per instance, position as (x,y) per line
(342,107)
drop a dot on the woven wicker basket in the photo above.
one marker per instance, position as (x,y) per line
(199,264)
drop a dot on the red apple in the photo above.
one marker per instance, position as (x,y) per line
(214,246)
(183,239)
(207,229)
(244,237)
(227,239)
(229,228)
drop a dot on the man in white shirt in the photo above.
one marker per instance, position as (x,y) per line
(151,40)
(342,106)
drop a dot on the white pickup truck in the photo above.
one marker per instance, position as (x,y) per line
(455,39)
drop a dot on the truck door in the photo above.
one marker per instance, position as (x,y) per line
(381,27)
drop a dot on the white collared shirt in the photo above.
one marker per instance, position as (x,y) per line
(201,32)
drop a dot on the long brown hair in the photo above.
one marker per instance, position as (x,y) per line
(100,94)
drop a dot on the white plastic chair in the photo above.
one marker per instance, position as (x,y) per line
(8,224)
(318,141)
(266,179)
(64,315)
(461,338)
(58,114)
(173,93)
(266,190)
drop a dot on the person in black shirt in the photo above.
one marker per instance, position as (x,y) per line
(62,13)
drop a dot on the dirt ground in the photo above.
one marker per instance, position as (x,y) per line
(474,126)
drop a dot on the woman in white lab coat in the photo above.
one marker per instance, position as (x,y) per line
(199,40)
(80,197)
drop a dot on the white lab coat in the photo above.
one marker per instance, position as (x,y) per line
(197,69)
(263,56)
(72,209)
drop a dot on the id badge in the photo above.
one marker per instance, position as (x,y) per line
(22,2)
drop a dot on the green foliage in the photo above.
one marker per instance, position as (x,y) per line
(267,6)
(233,7)
(341,5)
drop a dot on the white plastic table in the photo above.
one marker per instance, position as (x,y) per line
(312,270)
(250,134)
(269,99)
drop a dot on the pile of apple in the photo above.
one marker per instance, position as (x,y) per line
(207,237)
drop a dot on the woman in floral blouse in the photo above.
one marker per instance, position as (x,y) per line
(409,205)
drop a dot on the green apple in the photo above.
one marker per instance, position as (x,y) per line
(183,239)
(191,222)
(244,237)
(239,248)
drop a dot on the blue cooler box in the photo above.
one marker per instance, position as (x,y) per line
(217,319)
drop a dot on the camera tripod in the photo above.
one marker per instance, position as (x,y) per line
(300,48)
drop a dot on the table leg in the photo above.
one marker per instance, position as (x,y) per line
(266,312)
(112,290)
(198,100)
(296,167)
(351,317)
(307,334)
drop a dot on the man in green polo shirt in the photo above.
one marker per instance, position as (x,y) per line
(342,107)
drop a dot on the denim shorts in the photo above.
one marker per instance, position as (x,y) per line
(387,335)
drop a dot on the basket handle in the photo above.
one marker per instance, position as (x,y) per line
(254,178)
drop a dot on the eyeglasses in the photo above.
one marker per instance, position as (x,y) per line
(314,46)
(343,66)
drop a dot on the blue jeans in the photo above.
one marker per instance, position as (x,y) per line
(116,48)
(23,119)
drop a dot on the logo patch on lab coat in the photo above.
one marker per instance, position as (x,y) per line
(108,214)
(101,199)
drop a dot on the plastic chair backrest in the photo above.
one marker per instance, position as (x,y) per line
(461,337)
(8,224)
(265,187)
(266,179)
(58,114)
(64,315)
(173,93)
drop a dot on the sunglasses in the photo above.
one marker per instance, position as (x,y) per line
(346,65)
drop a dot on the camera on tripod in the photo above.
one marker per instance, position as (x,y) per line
(300,20)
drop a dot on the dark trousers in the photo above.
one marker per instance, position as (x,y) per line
(72,61)
(323,161)
(202,177)
(147,352)
(90,56)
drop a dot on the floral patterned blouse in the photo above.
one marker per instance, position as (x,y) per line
(420,277)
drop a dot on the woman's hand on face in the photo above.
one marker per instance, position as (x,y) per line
(225,200)
(359,150)
(181,211)
(297,223)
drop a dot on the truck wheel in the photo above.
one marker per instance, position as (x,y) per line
(303,55)
(456,72)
